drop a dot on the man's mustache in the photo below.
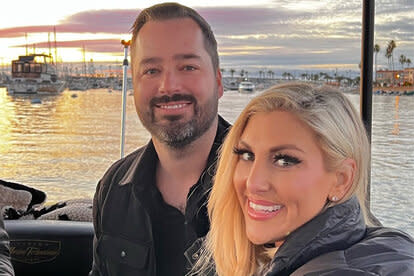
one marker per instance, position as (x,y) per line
(174,98)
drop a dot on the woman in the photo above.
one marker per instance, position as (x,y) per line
(289,193)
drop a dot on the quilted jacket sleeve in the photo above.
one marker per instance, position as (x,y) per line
(6,268)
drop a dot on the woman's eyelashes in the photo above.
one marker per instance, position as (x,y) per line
(280,159)
(244,154)
(285,160)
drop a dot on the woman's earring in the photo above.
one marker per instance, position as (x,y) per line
(334,198)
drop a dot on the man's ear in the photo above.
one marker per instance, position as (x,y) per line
(344,179)
(219,81)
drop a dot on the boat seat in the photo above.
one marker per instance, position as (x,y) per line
(50,248)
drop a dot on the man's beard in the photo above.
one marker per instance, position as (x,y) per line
(178,134)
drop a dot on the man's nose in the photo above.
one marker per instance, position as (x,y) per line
(170,82)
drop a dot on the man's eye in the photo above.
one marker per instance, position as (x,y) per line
(189,68)
(151,71)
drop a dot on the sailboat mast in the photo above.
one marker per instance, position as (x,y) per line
(56,56)
(84,60)
(49,45)
(27,50)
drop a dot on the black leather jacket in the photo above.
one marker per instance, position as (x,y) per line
(123,241)
(6,268)
(337,242)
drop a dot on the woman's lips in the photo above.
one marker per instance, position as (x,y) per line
(262,210)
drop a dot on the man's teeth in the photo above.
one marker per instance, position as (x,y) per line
(173,106)
(263,208)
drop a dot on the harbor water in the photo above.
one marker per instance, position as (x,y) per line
(62,144)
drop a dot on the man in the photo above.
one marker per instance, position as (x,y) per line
(6,268)
(151,206)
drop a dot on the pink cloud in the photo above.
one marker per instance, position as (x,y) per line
(98,45)
(100,21)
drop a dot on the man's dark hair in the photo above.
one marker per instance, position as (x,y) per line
(167,11)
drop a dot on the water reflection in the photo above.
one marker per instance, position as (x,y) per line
(65,144)
(396,129)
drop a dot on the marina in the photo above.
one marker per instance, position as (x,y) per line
(64,144)
(60,121)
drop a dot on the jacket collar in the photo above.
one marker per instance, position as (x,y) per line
(337,228)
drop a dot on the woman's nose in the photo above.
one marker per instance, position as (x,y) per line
(258,180)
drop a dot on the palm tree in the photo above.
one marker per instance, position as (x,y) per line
(260,73)
(408,61)
(389,53)
(222,71)
(270,73)
(376,51)
(242,73)
(232,71)
(388,56)
(402,61)
(304,76)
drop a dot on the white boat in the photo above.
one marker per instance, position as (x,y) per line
(232,86)
(34,74)
(246,87)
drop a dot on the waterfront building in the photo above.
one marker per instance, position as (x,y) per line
(404,77)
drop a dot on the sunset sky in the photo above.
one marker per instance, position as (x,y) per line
(254,34)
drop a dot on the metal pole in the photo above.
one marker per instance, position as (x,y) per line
(367,48)
(368,11)
(124,91)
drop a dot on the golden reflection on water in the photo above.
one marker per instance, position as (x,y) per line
(396,129)
(64,144)
(5,128)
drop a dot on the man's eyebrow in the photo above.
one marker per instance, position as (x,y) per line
(149,60)
(186,56)
(155,60)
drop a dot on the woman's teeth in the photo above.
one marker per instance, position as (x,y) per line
(263,208)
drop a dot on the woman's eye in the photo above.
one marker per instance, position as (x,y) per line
(244,154)
(283,160)
(247,156)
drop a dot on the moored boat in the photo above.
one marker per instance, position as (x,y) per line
(246,87)
(34,74)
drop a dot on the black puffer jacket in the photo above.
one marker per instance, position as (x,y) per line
(6,268)
(337,242)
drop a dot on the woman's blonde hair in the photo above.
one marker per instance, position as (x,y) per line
(340,133)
